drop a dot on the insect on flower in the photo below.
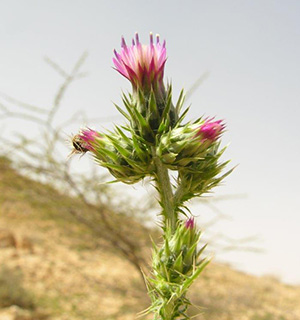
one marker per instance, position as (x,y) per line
(83,141)
(77,144)
(78,147)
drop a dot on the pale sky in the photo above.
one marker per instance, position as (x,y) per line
(251,50)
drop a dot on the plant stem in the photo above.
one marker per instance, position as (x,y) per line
(166,193)
(179,194)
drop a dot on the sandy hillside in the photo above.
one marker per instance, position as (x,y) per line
(56,269)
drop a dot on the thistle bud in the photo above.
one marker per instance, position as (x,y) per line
(190,223)
(126,159)
(187,144)
(84,141)
(176,265)
(210,130)
(179,252)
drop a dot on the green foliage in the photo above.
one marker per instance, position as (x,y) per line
(127,159)
(201,175)
(150,115)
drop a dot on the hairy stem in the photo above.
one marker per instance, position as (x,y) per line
(166,193)
(179,195)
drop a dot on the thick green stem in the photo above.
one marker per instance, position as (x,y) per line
(169,308)
(166,193)
(179,194)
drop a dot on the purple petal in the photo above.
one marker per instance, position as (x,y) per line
(151,38)
(123,43)
(137,38)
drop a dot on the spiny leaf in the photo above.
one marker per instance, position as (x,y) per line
(153,106)
(194,276)
(122,134)
(123,112)
(201,251)
(180,101)
(183,115)
(106,152)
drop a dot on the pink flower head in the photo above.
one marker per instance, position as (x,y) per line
(210,130)
(190,223)
(143,65)
(88,136)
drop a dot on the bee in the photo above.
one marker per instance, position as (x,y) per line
(78,145)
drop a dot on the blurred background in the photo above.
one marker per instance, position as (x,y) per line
(239,61)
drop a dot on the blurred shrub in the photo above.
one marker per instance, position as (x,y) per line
(12,291)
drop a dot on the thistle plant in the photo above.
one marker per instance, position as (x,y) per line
(181,158)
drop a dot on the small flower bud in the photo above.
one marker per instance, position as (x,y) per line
(83,142)
(188,144)
(190,223)
(210,130)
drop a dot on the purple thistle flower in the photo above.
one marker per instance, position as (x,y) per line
(190,223)
(142,65)
(210,130)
